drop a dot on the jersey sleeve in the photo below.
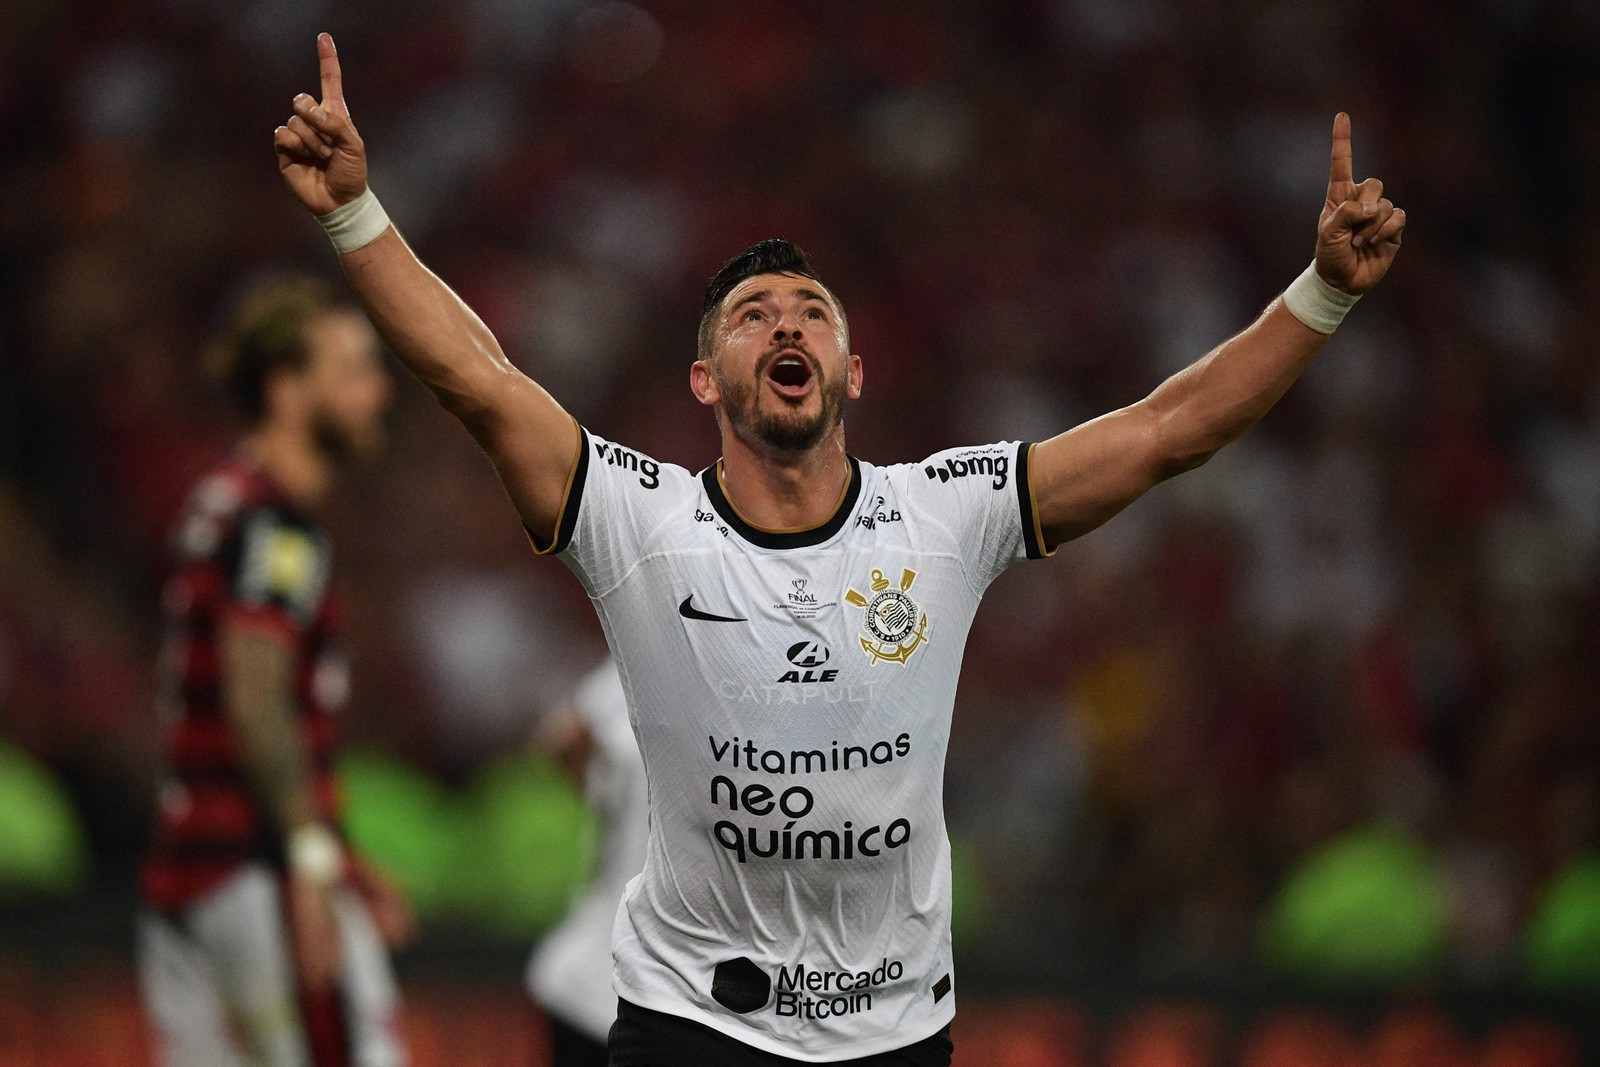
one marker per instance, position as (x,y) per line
(276,569)
(983,496)
(616,500)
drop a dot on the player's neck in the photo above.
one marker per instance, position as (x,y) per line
(785,490)
(289,456)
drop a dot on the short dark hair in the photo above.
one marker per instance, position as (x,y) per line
(772,256)
(266,333)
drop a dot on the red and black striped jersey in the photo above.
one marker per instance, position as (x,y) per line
(244,557)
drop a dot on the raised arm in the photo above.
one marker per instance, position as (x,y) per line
(1086,475)
(531,439)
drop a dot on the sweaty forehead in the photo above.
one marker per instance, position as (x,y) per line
(793,285)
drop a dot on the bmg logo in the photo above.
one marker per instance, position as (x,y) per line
(996,467)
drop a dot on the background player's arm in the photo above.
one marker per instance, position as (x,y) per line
(565,737)
(1086,475)
(258,700)
(531,439)
(258,677)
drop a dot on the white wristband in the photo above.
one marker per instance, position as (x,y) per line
(356,224)
(314,854)
(1316,303)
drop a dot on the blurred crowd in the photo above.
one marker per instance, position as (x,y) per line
(1326,705)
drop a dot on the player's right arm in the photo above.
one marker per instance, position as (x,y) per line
(531,438)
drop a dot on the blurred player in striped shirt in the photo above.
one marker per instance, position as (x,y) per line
(262,936)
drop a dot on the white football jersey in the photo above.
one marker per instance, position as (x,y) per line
(570,973)
(791,693)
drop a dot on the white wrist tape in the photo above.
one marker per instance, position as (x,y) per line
(356,224)
(314,854)
(1316,303)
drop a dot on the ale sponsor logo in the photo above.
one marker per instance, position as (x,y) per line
(808,658)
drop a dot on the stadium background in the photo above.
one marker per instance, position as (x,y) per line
(1296,762)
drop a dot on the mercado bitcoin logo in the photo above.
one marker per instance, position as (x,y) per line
(895,626)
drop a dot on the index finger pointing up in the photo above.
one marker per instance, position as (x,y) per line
(1339,169)
(332,78)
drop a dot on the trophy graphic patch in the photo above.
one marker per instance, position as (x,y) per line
(894,625)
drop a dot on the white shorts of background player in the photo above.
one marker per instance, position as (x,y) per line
(220,988)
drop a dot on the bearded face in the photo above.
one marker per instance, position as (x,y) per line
(346,386)
(780,368)
(784,423)
(341,439)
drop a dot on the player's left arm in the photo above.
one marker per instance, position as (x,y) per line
(1083,477)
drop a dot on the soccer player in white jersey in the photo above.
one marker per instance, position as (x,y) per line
(570,972)
(789,622)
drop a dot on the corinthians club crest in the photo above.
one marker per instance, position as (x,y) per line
(895,626)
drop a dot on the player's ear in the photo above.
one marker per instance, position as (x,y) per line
(702,383)
(853,390)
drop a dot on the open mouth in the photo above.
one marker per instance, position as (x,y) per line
(790,375)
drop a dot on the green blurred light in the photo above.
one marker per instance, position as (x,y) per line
(400,818)
(969,904)
(1370,906)
(507,854)
(1561,946)
(42,846)
(527,849)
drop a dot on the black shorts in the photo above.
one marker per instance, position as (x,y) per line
(571,1047)
(644,1038)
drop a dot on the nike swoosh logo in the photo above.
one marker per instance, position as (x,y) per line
(689,611)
